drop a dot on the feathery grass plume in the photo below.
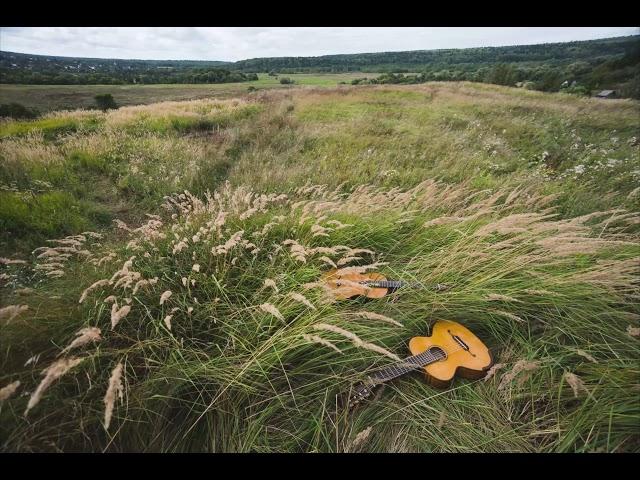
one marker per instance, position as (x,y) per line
(504,298)
(269,308)
(359,440)
(165,296)
(321,341)
(270,283)
(302,299)
(584,354)
(118,314)
(338,225)
(24,291)
(110,299)
(12,311)
(377,316)
(195,267)
(55,273)
(492,371)
(355,339)
(167,321)
(633,331)
(83,336)
(139,284)
(52,373)
(509,315)
(544,293)
(93,286)
(115,389)
(10,261)
(7,391)
(349,259)
(520,366)
(328,261)
(575,382)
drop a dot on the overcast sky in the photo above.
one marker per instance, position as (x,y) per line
(238,43)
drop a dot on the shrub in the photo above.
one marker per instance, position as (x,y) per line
(286,81)
(17,110)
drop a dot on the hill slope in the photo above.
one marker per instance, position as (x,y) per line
(200,326)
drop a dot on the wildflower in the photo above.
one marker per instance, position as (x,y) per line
(196,267)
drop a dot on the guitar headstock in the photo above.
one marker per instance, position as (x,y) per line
(359,393)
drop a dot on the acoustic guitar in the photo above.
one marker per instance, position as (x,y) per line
(451,350)
(346,284)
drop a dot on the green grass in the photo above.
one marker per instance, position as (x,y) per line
(461,192)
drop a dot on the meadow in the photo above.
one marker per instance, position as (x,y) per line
(47,98)
(160,271)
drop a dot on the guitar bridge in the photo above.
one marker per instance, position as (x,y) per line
(461,342)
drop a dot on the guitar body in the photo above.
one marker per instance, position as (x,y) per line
(349,284)
(451,350)
(467,356)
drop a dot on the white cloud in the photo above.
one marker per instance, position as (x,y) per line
(237,43)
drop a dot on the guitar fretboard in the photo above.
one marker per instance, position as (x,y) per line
(393,284)
(383,283)
(407,365)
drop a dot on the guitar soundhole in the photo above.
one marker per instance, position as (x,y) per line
(438,353)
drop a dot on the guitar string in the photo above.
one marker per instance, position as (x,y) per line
(417,367)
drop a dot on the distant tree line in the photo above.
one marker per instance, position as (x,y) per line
(43,70)
(579,67)
(580,77)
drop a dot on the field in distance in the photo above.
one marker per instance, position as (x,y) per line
(45,98)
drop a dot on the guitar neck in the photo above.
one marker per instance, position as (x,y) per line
(394,284)
(384,283)
(408,365)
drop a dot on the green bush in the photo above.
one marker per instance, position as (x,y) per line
(286,81)
(17,111)
(105,102)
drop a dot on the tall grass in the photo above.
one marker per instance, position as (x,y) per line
(245,365)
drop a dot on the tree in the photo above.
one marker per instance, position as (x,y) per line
(105,102)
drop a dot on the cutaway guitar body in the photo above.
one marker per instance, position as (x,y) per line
(451,350)
(350,284)
(467,356)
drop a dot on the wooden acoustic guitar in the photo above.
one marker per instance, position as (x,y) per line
(345,284)
(451,350)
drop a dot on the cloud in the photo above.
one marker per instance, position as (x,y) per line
(237,43)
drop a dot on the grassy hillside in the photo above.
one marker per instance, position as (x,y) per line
(171,304)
